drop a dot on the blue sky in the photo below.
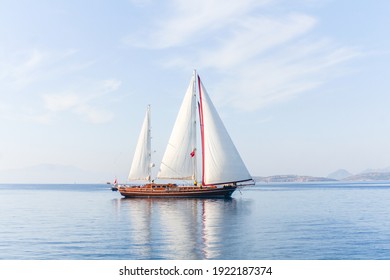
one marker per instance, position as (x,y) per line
(302,86)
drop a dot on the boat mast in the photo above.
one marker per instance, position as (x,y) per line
(201,125)
(193,116)
(149,147)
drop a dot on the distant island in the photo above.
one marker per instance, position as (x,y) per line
(291,178)
(339,175)
(372,176)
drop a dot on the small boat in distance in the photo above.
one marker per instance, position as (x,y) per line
(222,169)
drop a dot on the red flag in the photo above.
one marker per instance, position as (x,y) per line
(192,154)
(115,181)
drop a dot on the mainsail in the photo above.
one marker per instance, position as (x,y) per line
(221,162)
(141,165)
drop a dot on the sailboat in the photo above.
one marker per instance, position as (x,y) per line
(222,169)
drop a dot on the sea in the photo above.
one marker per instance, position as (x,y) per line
(275,221)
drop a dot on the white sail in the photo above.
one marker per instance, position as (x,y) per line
(141,165)
(221,161)
(179,160)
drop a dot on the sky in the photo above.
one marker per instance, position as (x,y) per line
(302,86)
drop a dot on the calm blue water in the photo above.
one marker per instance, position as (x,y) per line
(270,221)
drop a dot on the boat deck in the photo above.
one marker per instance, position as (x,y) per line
(172,190)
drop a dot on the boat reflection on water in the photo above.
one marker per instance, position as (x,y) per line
(166,228)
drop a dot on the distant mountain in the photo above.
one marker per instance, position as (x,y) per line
(339,174)
(50,174)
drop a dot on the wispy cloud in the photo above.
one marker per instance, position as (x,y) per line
(20,68)
(82,102)
(23,74)
(186,22)
(9,111)
(254,36)
(262,54)
(141,3)
(282,75)
(18,71)
(94,114)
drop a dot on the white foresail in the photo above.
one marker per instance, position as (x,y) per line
(140,167)
(221,161)
(179,160)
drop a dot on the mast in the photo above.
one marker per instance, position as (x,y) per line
(201,123)
(194,128)
(149,145)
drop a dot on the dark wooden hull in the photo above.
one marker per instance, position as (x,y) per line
(158,191)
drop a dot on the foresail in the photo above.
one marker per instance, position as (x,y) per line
(140,167)
(221,161)
(179,158)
